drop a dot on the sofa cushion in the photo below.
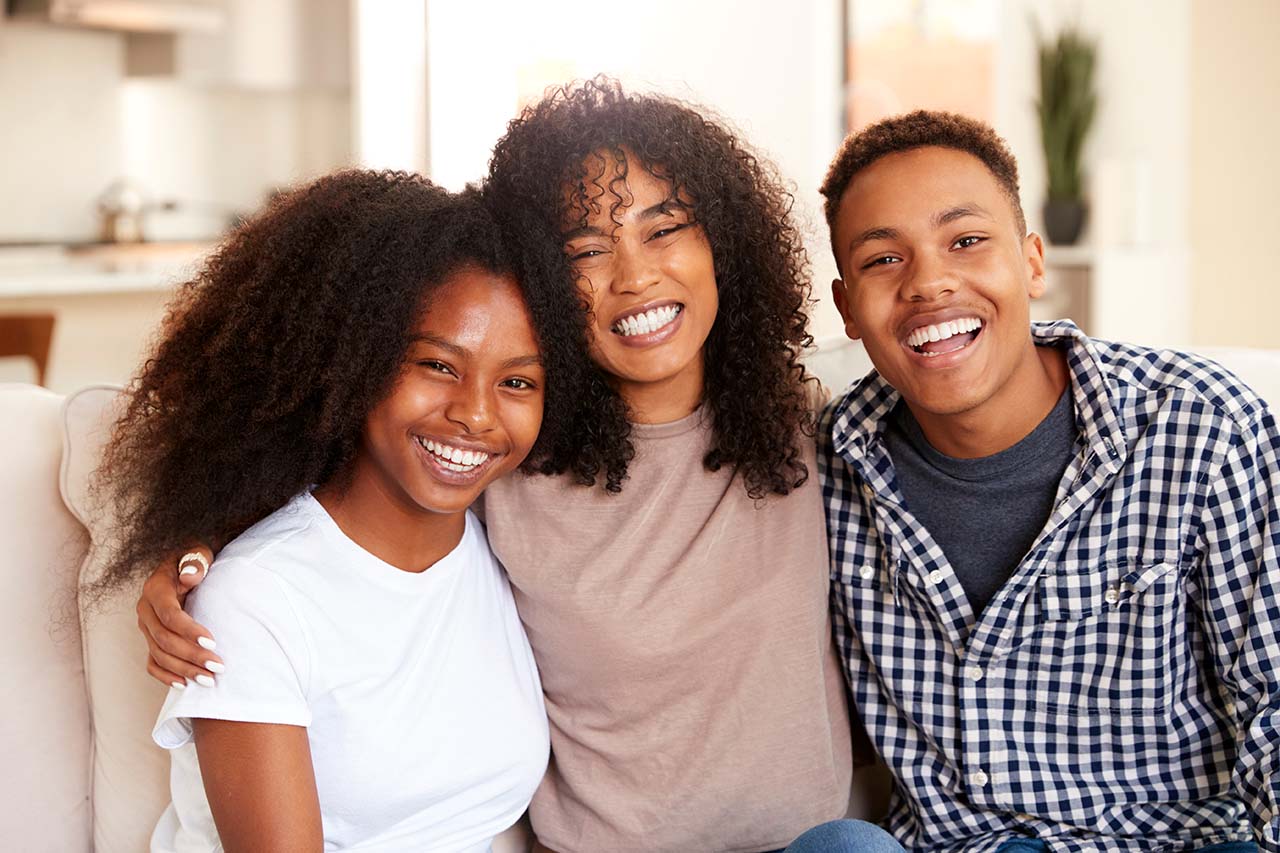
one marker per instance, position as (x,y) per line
(130,774)
(1259,368)
(44,720)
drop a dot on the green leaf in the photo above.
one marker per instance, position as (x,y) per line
(1066,107)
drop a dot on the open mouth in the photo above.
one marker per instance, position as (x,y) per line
(451,458)
(647,322)
(942,338)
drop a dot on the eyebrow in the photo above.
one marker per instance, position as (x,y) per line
(939,219)
(531,360)
(523,361)
(653,211)
(959,212)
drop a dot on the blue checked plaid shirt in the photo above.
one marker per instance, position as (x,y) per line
(1121,692)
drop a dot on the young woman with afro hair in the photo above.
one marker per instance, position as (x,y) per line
(668,556)
(333,391)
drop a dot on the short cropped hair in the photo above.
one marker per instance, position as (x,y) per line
(920,129)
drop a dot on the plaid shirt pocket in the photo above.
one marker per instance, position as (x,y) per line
(1111,637)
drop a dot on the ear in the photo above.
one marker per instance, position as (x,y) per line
(1033,256)
(841,297)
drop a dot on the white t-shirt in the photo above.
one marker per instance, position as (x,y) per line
(419,692)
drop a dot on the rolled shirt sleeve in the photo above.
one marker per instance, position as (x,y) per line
(1241,575)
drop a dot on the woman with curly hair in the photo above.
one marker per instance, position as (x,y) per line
(336,387)
(673,575)
(669,559)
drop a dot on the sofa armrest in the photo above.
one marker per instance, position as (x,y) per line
(45,745)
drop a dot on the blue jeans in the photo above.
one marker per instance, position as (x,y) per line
(845,836)
(1035,845)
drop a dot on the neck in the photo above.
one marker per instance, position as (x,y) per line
(1006,418)
(387,526)
(665,400)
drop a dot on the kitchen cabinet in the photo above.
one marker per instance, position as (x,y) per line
(264,45)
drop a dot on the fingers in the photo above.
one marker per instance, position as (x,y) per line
(178,643)
(167,677)
(193,565)
(181,650)
(162,597)
(164,676)
(173,671)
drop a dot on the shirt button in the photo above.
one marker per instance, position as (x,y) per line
(979,779)
(935,577)
(867,572)
(1111,596)
(975,673)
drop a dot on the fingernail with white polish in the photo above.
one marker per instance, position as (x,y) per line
(207,643)
(214,666)
(189,569)
(204,680)
(178,685)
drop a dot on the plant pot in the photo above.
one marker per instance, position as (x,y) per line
(1063,220)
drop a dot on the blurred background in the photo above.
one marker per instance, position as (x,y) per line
(133,133)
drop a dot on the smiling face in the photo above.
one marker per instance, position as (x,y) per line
(467,405)
(937,285)
(650,283)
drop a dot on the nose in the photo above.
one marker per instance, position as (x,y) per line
(928,279)
(472,407)
(637,268)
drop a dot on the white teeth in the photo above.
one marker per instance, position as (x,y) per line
(648,322)
(454,458)
(942,331)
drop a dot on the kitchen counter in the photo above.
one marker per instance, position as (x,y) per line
(54,270)
(108,301)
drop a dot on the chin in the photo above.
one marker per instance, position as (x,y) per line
(946,402)
(449,503)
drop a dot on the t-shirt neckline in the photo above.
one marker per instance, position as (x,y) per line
(670,429)
(982,468)
(380,571)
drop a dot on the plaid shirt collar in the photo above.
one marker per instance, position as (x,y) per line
(861,418)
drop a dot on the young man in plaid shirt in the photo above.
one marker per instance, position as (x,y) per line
(1055,560)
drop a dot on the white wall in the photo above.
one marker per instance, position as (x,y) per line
(220,151)
(1142,125)
(71,124)
(59,129)
(1235,177)
(1138,159)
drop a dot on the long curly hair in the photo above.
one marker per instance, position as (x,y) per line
(754,386)
(276,352)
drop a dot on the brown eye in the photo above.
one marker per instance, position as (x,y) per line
(667,230)
(883,260)
(436,366)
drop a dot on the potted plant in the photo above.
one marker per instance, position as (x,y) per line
(1066,108)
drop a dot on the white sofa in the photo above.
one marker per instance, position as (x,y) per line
(79,770)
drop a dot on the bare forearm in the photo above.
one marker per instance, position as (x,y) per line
(261,786)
